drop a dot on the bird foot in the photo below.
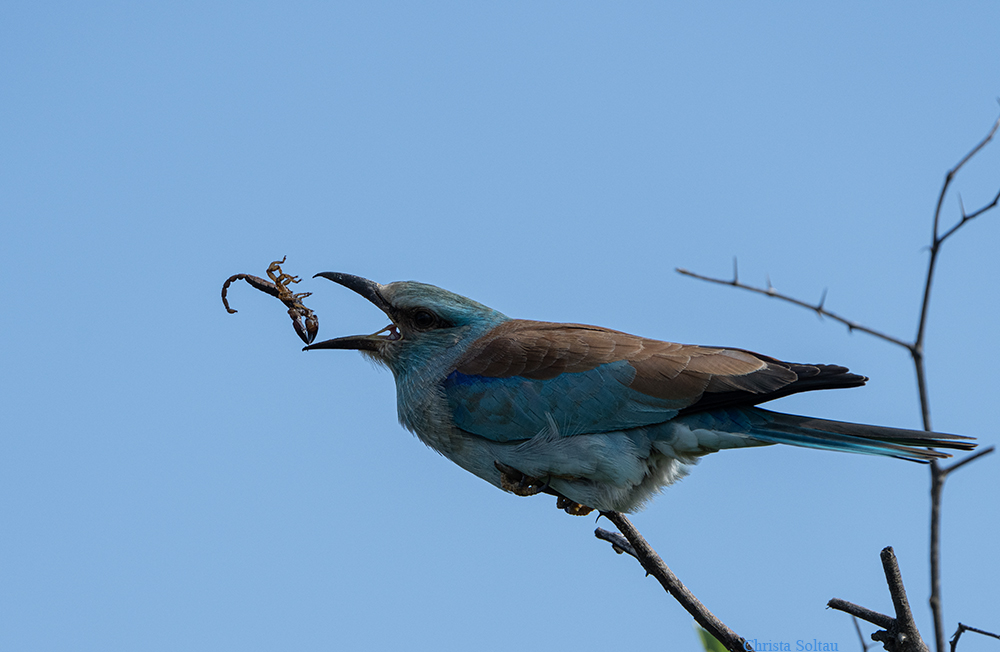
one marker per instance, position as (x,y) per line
(518,483)
(572,508)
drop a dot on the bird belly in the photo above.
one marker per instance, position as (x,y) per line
(618,470)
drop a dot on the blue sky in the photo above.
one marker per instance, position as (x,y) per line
(174,477)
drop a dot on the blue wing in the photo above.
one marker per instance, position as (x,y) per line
(515,407)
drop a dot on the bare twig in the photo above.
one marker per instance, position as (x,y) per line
(916,350)
(865,614)
(861,637)
(655,566)
(971,458)
(618,543)
(965,628)
(899,634)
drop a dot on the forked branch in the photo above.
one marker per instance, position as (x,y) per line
(898,634)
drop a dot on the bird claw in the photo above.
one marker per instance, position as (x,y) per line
(520,484)
(304,320)
(572,508)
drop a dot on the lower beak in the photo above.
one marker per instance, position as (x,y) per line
(356,342)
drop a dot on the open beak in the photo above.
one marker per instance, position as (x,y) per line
(371,291)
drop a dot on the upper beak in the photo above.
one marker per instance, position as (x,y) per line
(369,290)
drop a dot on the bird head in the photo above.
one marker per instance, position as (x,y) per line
(427,323)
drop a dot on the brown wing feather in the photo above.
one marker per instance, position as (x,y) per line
(702,377)
(543,350)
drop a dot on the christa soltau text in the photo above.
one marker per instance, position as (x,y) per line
(801,645)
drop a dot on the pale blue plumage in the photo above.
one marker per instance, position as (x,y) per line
(602,418)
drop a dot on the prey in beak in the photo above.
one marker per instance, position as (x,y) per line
(303,319)
(373,292)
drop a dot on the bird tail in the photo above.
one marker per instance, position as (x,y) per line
(913,445)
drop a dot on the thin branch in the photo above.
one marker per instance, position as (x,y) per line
(938,476)
(656,567)
(865,614)
(861,637)
(971,458)
(618,543)
(937,614)
(815,307)
(950,176)
(965,628)
(970,216)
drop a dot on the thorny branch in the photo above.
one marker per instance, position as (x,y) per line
(818,307)
(916,349)
(639,548)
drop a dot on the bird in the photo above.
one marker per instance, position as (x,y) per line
(600,418)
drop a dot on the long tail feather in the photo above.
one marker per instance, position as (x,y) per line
(913,445)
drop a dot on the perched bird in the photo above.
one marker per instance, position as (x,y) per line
(600,418)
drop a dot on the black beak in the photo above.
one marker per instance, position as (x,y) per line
(369,290)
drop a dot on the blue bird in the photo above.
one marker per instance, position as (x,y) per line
(600,418)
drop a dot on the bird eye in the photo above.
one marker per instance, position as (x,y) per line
(424,319)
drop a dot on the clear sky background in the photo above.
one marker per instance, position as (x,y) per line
(173,477)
